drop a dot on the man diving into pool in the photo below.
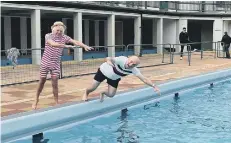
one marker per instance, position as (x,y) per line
(113,69)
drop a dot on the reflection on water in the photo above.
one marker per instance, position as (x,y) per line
(126,135)
(151,105)
(175,108)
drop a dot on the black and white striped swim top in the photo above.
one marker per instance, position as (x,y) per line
(118,70)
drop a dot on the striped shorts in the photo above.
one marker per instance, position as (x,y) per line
(54,71)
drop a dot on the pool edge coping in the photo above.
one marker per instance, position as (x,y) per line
(124,93)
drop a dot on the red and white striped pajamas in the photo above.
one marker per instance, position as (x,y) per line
(52,55)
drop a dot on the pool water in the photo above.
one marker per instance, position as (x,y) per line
(201,115)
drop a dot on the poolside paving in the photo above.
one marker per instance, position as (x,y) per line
(19,98)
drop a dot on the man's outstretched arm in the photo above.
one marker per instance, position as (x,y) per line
(148,82)
(78,43)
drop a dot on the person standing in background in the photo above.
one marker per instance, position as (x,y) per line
(226,40)
(183,38)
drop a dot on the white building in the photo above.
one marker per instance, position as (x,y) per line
(24,24)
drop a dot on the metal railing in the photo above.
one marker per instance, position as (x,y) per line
(163,51)
(196,6)
(87,66)
(219,52)
(23,73)
(172,6)
(30,72)
(216,50)
(26,73)
(23,52)
(189,51)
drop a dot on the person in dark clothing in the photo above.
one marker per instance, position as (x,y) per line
(184,38)
(226,40)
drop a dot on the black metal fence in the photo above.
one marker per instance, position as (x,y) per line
(165,50)
(196,6)
(89,66)
(25,73)
(215,50)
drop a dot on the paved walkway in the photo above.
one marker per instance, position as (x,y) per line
(19,98)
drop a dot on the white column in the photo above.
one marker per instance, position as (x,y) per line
(217,31)
(177,35)
(154,32)
(36,36)
(96,32)
(226,26)
(86,32)
(111,35)
(78,53)
(105,33)
(23,34)
(180,24)
(64,20)
(137,35)
(160,35)
(229,27)
(169,32)
(7,32)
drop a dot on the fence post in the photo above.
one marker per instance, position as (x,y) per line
(145,4)
(223,50)
(170,53)
(189,54)
(215,50)
(202,49)
(176,6)
(213,6)
(173,53)
(163,55)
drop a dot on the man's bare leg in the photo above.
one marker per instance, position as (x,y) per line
(39,90)
(93,87)
(55,88)
(109,93)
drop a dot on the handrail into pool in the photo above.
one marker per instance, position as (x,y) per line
(21,126)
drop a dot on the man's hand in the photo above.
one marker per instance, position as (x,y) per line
(156,89)
(86,48)
(148,82)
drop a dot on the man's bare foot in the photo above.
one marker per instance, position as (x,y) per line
(101,97)
(34,105)
(84,98)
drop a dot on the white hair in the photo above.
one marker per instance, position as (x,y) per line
(58,26)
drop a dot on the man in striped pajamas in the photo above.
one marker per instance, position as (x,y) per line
(54,44)
(112,70)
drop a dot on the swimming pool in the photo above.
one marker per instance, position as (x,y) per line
(65,117)
(201,115)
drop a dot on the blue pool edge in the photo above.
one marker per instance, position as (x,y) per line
(29,124)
